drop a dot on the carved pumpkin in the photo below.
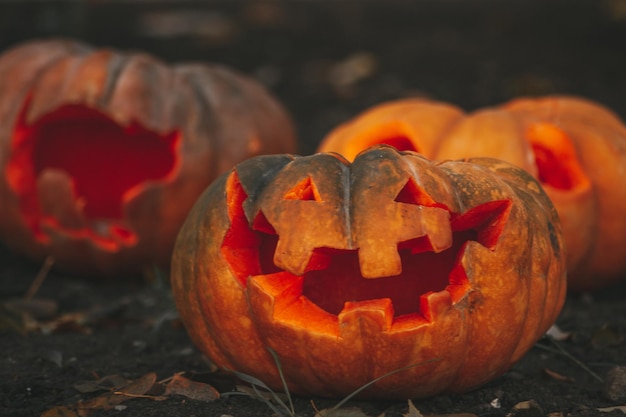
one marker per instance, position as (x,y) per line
(350,271)
(103,153)
(574,147)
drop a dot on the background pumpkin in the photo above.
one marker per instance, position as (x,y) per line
(350,271)
(575,147)
(103,153)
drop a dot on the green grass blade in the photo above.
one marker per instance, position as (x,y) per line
(282,378)
(373,381)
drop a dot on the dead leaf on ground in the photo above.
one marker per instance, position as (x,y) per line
(555,333)
(61,411)
(179,385)
(615,384)
(606,337)
(40,315)
(54,356)
(135,389)
(38,308)
(413,411)
(106,383)
(23,315)
(621,408)
(120,389)
(523,407)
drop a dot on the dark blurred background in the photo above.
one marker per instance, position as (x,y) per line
(328,60)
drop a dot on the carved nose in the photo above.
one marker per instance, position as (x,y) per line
(378,241)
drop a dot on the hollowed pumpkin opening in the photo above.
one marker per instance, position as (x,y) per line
(555,157)
(400,142)
(393,133)
(105,163)
(333,285)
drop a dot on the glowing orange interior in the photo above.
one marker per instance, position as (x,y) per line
(401,143)
(393,133)
(105,161)
(333,277)
(555,157)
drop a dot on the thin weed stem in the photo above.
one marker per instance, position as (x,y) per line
(40,278)
(561,350)
(282,378)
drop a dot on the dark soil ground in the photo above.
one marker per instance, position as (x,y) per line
(325,61)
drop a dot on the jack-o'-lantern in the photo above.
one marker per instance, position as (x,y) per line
(349,271)
(103,153)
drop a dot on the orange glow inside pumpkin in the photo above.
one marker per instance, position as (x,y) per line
(394,133)
(332,284)
(401,143)
(555,157)
(107,165)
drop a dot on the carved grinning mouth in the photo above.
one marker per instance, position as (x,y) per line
(74,168)
(333,285)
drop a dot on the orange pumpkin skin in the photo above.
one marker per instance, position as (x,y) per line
(576,149)
(103,153)
(350,271)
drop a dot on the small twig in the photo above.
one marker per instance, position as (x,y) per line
(169,378)
(317,411)
(129,395)
(40,278)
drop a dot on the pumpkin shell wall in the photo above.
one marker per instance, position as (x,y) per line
(350,271)
(576,148)
(103,152)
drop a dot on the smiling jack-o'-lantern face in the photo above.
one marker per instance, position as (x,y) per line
(350,271)
(103,153)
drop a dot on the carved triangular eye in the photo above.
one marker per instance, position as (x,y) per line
(304,190)
(487,220)
(412,193)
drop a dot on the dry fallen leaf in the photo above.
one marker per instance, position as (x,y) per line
(555,333)
(615,384)
(522,407)
(106,383)
(135,389)
(621,408)
(179,385)
(23,315)
(606,337)
(413,412)
(54,356)
(38,308)
(61,411)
